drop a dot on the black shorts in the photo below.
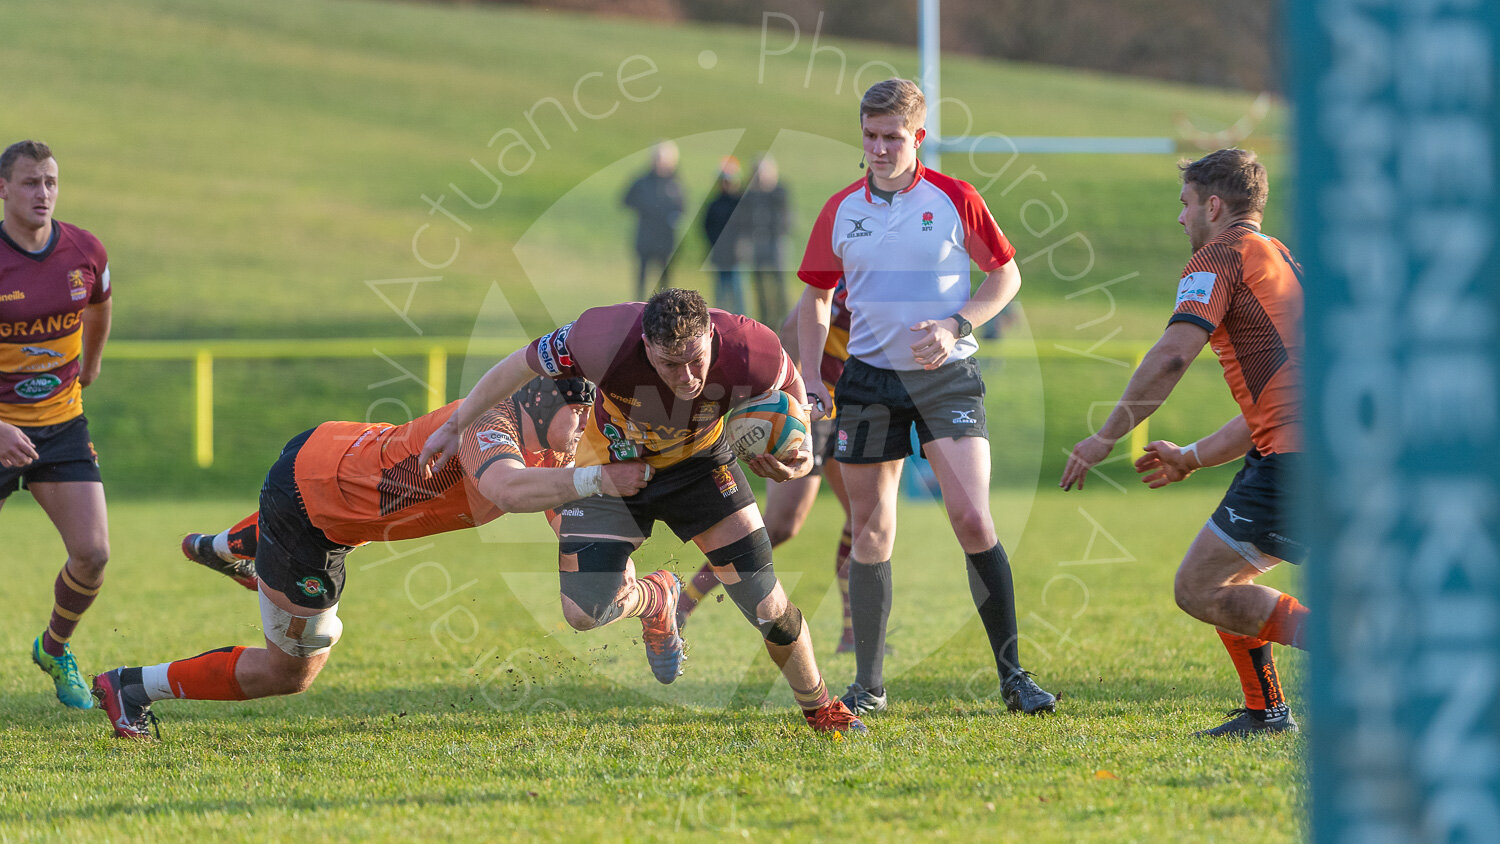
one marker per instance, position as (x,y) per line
(824,435)
(1256,509)
(690,497)
(64,453)
(878,407)
(294,557)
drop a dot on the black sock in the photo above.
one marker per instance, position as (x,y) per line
(870,603)
(995,597)
(132,688)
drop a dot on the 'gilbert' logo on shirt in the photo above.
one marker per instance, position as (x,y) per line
(859,229)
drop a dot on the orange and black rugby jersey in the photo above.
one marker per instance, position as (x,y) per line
(1245,289)
(360,483)
(42,299)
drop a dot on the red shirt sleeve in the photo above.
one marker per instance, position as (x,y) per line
(988,247)
(821,266)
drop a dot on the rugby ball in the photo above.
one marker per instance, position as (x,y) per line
(771,423)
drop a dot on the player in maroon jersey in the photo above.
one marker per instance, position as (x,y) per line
(668,371)
(54,320)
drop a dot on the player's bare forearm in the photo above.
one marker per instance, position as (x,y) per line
(96,323)
(520,489)
(504,378)
(997,290)
(1149,386)
(1228,443)
(814,313)
(1165,462)
(1156,377)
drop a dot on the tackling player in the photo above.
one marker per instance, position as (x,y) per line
(1242,293)
(54,320)
(343,484)
(669,370)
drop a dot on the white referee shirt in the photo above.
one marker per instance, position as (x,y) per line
(903,261)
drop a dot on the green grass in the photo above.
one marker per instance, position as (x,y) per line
(255,168)
(458,705)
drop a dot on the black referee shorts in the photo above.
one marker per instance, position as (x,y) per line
(878,408)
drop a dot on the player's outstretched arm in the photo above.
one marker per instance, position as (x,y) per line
(1165,462)
(1149,386)
(521,489)
(504,378)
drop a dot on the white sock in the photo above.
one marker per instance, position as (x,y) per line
(221,547)
(154,678)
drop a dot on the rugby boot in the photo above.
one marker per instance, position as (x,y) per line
(128,719)
(1243,722)
(835,717)
(71,689)
(863,701)
(664,647)
(199,547)
(1022,695)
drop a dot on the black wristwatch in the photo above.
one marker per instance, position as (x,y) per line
(964,328)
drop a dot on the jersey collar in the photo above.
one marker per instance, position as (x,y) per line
(918,176)
(35,256)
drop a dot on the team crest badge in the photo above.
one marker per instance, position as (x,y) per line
(725,479)
(312,586)
(707,412)
(76,287)
(926,221)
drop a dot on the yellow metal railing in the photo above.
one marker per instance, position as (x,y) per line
(203,353)
(436,350)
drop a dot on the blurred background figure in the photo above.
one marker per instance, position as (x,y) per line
(656,199)
(724,231)
(765,221)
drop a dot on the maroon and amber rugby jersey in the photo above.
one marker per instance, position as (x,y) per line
(42,299)
(637,414)
(360,481)
(1245,289)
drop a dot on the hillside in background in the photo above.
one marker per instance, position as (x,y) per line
(346,168)
(1232,45)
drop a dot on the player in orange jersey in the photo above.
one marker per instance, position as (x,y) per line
(1242,293)
(343,484)
(54,320)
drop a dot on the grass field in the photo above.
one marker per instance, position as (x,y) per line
(458,706)
(271,170)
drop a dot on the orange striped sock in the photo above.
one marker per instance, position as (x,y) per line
(207,676)
(1257,671)
(1285,623)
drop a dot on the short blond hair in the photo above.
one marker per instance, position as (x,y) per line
(895,96)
